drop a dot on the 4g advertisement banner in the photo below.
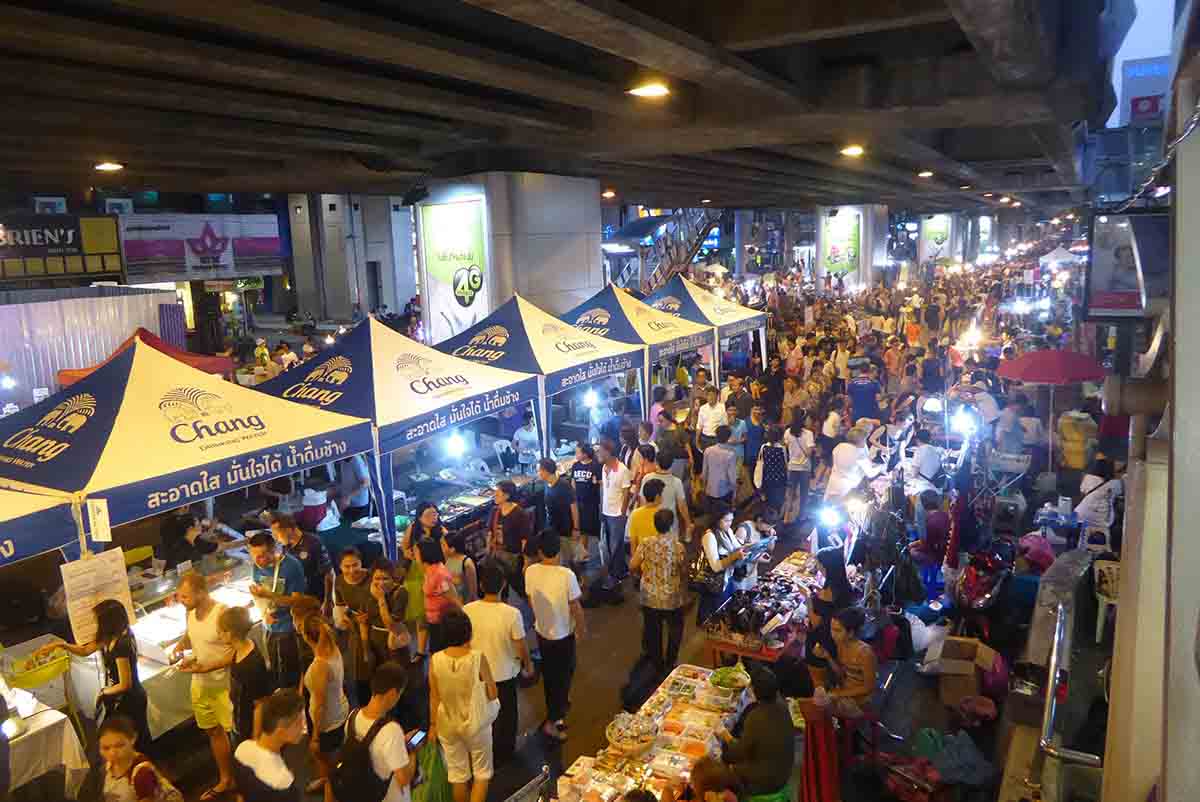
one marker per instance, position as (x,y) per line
(453,257)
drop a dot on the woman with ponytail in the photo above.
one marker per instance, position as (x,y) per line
(327,704)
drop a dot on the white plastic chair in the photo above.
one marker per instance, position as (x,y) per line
(1106,576)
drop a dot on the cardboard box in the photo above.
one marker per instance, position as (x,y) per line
(958,662)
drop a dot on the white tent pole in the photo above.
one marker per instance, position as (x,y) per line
(1050,461)
(544,410)
(646,384)
(77,514)
(717,356)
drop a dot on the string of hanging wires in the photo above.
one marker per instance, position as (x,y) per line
(1151,181)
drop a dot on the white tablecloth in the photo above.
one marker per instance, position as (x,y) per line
(49,744)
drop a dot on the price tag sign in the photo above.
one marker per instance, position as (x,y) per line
(98,519)
(40,394)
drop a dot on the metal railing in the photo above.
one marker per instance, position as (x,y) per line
(1057,676)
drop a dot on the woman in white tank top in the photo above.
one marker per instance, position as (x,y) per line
(327,703)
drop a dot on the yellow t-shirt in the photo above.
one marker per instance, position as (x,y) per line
(641,526)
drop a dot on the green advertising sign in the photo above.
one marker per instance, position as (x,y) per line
(935,236)
(842,242)
(457,280)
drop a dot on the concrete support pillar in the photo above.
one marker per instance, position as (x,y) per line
(404,264)
(743,224)
(788,239)
(306,258)
(1181,769)
(332,227)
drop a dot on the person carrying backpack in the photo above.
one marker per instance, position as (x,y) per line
(373,764)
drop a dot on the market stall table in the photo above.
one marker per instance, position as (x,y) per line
(658,746)
(48,744)
(781,603)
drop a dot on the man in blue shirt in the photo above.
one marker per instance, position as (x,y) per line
(279,583)
(737,432)
(756,431)
(720,470)
(864,395)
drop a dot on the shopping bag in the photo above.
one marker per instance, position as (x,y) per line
(431,783)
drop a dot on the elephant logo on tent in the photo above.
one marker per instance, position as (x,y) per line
(594,321)
(670,304)
(491,337)
(335,371)
(70,415)
(412,365)
(187,404)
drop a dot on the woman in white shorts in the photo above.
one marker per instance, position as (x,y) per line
(462,721)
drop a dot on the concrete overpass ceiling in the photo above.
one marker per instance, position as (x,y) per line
(359,94)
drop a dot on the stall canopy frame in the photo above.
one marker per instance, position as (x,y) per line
(409,391)
(522,337)
(616,314)
(32,524)
(690,301)
(148,433)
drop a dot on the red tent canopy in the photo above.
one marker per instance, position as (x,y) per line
(1052,367)
(219,365)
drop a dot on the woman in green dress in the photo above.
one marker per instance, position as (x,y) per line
(426,525)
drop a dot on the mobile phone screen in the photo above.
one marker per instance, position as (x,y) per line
(416,739)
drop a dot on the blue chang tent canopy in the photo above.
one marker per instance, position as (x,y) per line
(521,337)
(616,314)
(408,390)
(31,524)
(148,433)
(692,302)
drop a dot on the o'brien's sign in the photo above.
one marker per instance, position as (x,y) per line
(60,246)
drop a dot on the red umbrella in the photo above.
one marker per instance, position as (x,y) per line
(1052,368)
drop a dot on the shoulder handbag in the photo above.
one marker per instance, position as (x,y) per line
(484,711)
(701,577)
(758,467)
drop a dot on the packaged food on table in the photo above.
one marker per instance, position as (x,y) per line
(731,678)
(692,716)
(582,767)
(631,734)
(657,705)
(656,786)
(689,672)
(693,750)
(670,765)
(598,792)
(682,689)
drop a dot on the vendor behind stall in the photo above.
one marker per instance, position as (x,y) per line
(763,755)
(355,488)
(181,533)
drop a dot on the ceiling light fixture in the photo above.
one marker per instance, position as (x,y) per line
(608,194)
(1005,199)
(853,151)
(705,200)
(925,174)
(964,186)
(1055,221)
(651,89)
(110,167)
(1071,216)
(987,194)
(1016,204)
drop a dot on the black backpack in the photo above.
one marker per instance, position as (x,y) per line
(353,777)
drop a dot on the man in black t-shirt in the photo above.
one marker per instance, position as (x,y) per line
(562,515)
